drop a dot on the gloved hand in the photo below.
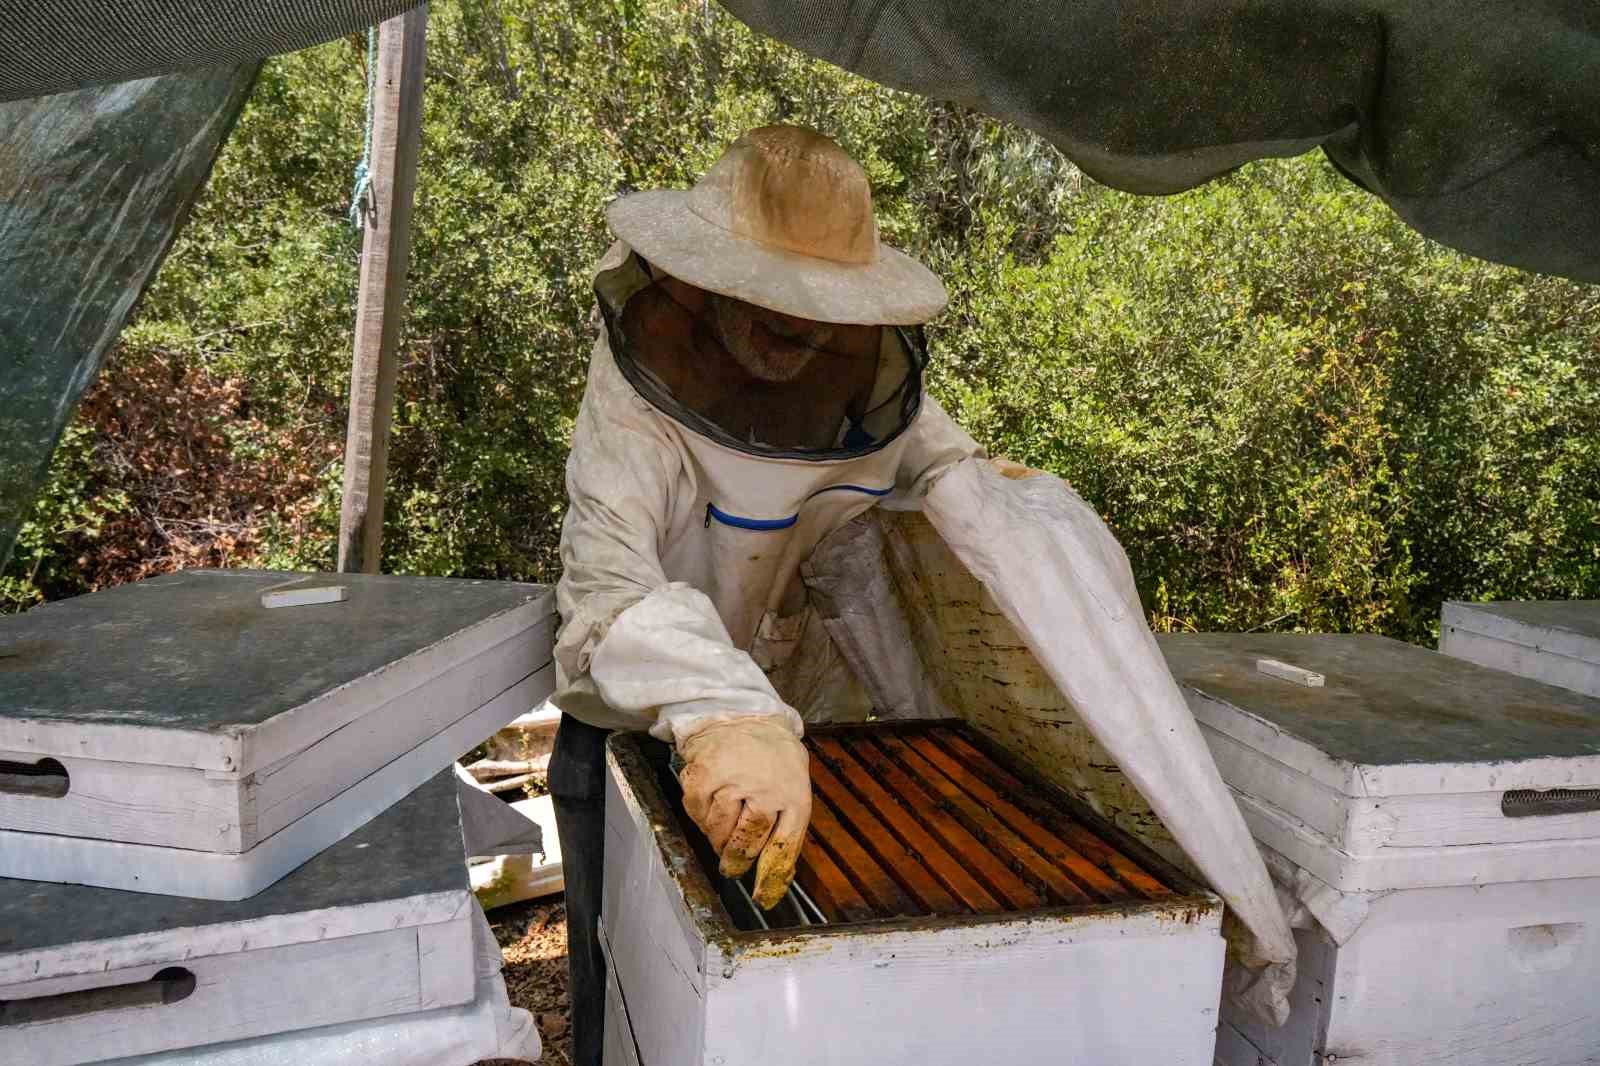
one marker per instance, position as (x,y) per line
(747,785)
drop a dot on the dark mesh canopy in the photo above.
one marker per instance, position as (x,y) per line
(94,186)
(50,46)
(1478,121)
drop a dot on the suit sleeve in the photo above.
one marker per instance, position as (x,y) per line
(647,647)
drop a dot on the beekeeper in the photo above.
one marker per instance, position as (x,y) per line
(758,383)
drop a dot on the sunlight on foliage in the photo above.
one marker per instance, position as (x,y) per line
(1295,412)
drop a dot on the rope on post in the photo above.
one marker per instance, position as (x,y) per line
(363,183)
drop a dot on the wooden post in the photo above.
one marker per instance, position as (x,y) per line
(380,308)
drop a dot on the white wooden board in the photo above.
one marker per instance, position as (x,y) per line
(1365,825)
(507,879)
(1415,867)
(486,1028)
(223,876)
(378,925)
(619,1047)
(188,716)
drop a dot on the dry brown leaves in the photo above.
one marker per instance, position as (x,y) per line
(201,472)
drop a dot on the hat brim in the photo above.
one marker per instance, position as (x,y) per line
(894,291)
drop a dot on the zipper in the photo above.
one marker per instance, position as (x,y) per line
(759,525)
(767,525)
(852,488)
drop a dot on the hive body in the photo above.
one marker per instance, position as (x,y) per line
(1441,823)
(379,924)
(1087,950)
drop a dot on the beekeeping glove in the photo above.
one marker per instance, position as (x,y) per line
(747,785)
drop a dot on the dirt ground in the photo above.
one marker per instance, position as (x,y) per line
(533,942)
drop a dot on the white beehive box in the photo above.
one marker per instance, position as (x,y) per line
(1113,984)
(380,924)
(175,736)
(1444,819)
(1557,642)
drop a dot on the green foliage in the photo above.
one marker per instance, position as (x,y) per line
(72,509)
(1294,411)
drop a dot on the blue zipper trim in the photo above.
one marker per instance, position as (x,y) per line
(760,525)
(767,525)
(852,488)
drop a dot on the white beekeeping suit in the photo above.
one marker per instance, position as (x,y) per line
(683,608)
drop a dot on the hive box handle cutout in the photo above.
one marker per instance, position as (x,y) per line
(168,986)
(46,778)
(1537,802)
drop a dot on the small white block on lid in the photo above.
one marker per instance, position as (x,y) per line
(295,594)
(1288,672)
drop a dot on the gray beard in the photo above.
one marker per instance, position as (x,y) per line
(779,361)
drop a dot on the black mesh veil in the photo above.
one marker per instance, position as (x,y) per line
(838,405)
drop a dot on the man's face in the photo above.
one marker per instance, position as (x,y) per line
(769,345)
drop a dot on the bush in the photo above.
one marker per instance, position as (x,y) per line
(1294,411)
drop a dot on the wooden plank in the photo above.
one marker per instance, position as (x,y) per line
(880,890)
(1079,838)
(380,310)
(1054,877)
(908,809)
(828,886)
(940,876)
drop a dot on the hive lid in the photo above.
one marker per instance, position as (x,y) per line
(406,867)
(1565,627)
(1405,768)
(1391,718)
(1555,642)
(190,670)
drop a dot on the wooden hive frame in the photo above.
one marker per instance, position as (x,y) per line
(920,822)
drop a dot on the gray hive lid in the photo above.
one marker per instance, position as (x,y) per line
(189,670)
(1406,769)
(1391,717)
(1557,642)
(406,867)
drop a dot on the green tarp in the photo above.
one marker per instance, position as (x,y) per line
(93,187)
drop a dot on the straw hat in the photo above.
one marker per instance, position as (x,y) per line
(784,221)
